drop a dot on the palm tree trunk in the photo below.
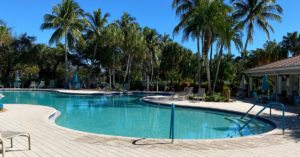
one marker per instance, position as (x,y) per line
(199,62)
(206,49)
(127,67)
(218,67)
(151,70)
(211,53)
(66,60)
(93,62)
(243,57)
(113,70)
(109,73)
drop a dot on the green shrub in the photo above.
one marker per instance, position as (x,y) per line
(216,98)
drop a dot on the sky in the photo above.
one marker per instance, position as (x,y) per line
(26,16)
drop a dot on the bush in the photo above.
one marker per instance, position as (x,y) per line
(216,98)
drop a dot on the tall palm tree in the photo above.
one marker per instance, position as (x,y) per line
(128,25)
(291,42)
(255,12)
(153,44)
(134,47)
(95,27)
(5,35)
(66,19)
(213,15)
(227,35)
(114,38)
(184,9)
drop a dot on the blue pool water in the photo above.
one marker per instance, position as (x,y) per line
(126,115)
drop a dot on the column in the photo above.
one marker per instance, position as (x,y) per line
(250,89)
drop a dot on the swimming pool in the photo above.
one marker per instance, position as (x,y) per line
(126,115)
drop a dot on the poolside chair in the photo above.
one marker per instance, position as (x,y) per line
(126,87)
(297,102)
(200,95)
(51,84)
(32,84)
(180,94)
(1,85)
(42,84)
(241,93)
(117,86)
(189,93)
(16,84)
(10,135)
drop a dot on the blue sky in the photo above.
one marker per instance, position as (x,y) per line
(27,16)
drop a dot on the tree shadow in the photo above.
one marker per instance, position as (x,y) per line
(149,142)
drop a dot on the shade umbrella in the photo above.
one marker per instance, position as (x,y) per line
(242,85)
(17,76)
(76,78)
(264,86)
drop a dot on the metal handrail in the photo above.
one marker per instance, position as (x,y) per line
(172,122)
(256,103)
(266,106)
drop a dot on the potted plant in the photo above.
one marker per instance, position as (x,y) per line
(227,92)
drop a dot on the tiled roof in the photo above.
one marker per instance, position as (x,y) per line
(289,62)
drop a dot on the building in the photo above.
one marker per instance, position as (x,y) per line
(286,73)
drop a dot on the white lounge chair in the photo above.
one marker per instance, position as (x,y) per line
(1,85)
(10,135)
(32,84)
(200,95)
(180,94)
(42,84)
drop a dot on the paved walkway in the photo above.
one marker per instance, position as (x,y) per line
(49,139)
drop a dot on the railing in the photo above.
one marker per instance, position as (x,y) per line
(172,123)
(256,103)
(266,106)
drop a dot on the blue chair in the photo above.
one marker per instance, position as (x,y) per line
(16,84)
(297,102)
(272,97)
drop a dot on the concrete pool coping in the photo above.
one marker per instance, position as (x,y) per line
(20,117)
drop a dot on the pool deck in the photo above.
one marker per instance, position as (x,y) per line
(48,139)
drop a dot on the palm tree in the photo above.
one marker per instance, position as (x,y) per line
(5,35)
(66,19)
(95,27)
(255,12)
(153,44)
(291,42)
(130,31)
(134,47)
(227,35)
(184,9)
(114,38)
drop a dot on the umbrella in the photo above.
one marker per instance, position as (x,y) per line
(264,86)
(17,77)
(76,78)
(242,85)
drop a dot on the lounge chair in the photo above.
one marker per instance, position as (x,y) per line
(51,84)
(1,85)
(200,95)
(180,94)
(32,84)
(126,87)
(117,86)
(42,84)
(187,94)
(16,84)
(10,135)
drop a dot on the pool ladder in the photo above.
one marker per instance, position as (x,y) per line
(265,107)
(172,122)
